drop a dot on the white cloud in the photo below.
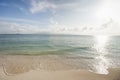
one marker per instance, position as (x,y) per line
(23,10)
(13,28)
(38,6)
(100,18)
(41,6)
(110,27)
(20,20)
(70,17)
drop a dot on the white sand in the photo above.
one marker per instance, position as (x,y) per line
(44,68)
(63,75)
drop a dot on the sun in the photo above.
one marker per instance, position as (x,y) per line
(106,10)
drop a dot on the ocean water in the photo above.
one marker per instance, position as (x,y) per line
(95,53)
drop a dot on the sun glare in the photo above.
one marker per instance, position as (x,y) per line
(100,46)
(106,10)
(101,42)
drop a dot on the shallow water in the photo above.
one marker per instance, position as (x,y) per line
(95,53)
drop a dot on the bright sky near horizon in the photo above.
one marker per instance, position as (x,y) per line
(84,17)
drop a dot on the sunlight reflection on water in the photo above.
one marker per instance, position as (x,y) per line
(101,62)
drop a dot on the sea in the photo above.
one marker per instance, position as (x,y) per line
(96,53)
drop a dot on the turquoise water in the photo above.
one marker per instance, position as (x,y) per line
(44,44)
(98,52)
(57,44)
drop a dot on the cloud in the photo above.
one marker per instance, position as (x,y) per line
(72,17)
(38,6)
(107,24)
(57,28)
(22,20)
(41,6)
(108,28)
(23,10)
(69,17)
(13,28)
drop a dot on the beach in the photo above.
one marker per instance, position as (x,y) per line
(60,40)
(55,57)
(47,67)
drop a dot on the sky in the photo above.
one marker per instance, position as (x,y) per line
(80,17)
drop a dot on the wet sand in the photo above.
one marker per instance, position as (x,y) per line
(45,67)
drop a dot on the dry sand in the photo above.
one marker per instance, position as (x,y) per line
(46,68)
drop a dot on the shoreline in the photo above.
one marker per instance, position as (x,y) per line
(63,75)
(47,67)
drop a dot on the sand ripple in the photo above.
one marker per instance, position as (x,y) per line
(20,64)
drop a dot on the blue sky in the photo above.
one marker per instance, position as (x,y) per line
(88,17)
